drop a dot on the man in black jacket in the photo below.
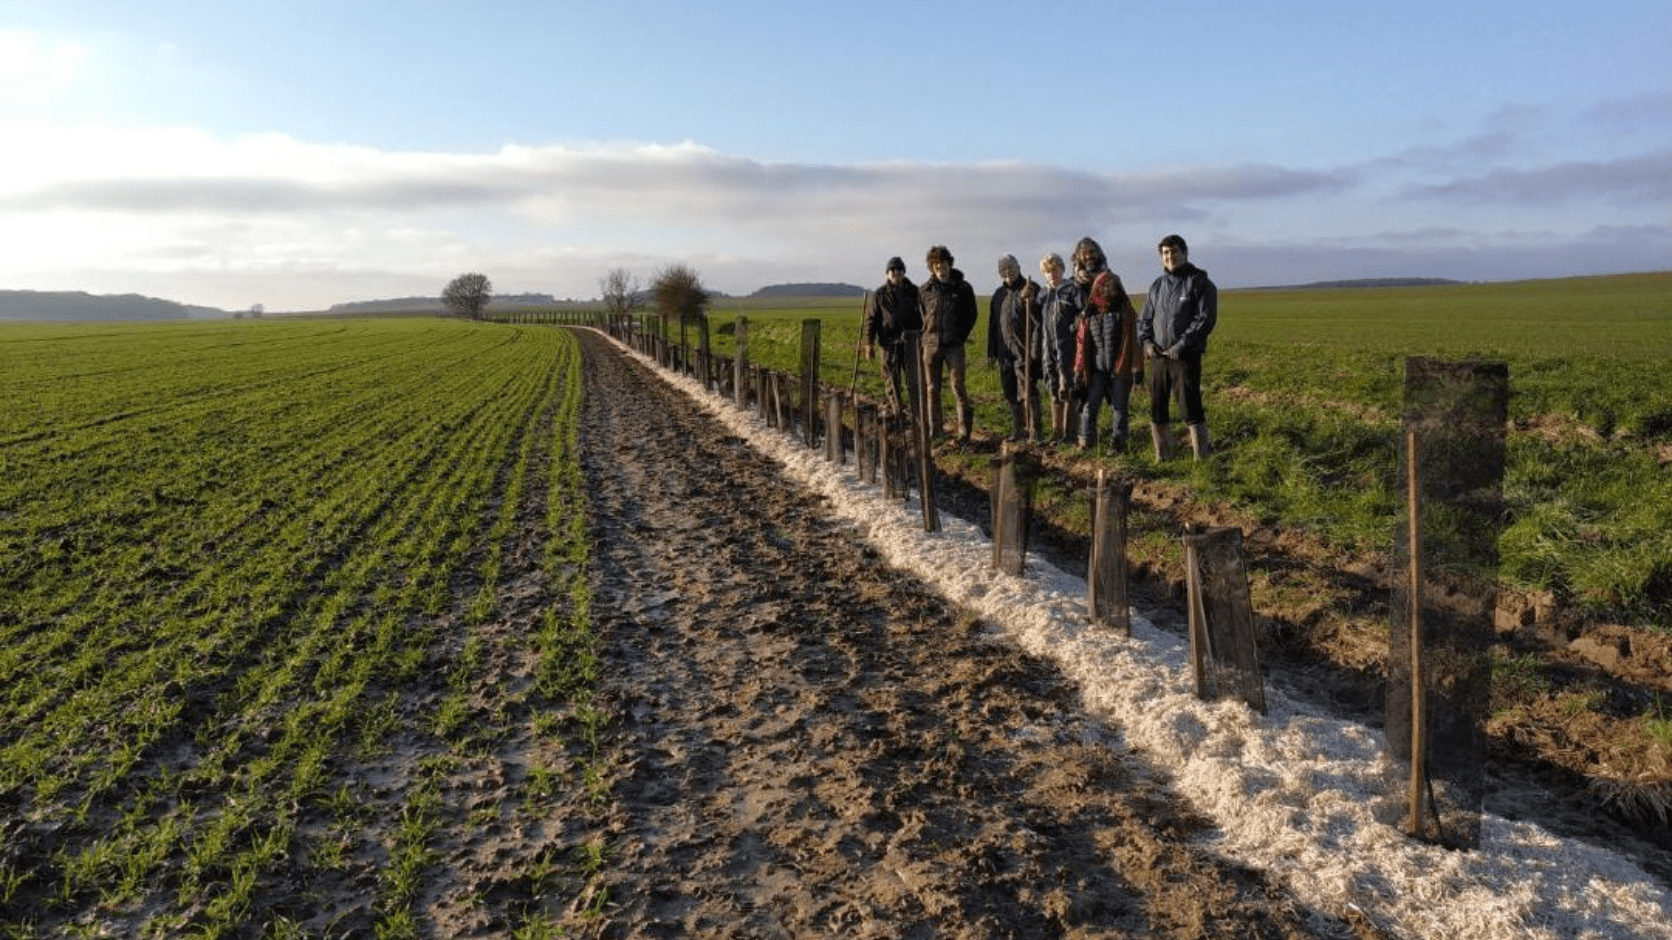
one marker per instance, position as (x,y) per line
(1179,312)
(949,314)
(895,311)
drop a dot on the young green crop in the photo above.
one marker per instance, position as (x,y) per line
(241,551)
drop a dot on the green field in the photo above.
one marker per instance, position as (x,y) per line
(245,562)
(1304,390)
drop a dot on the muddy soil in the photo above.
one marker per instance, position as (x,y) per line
(806,742)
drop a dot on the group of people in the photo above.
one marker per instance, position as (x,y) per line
(1078,334)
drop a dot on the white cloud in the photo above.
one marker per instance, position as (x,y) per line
(189,213)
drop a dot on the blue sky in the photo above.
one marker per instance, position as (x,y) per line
(304,152)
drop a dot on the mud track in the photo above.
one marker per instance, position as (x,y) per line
(807,742)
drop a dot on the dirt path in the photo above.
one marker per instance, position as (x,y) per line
(806,742)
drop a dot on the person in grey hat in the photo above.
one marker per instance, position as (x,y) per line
(1179,312)
(894,311)
(1013,343)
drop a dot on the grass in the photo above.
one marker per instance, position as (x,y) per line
(1304,391)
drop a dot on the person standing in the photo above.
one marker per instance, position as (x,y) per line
(1179,313)
(949,315)
(1108,355)
(1013,334)
(894,312)
(1060,308)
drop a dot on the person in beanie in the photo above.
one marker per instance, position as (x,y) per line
(1013,335)
(1060,309)
(894,312)
(1179,312)
(1107,357)
(949,315)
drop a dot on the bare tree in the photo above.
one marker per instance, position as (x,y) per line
(678,293)
(467,295)
(620,292)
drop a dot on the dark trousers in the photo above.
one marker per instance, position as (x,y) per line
(1179,378)
(1116,390)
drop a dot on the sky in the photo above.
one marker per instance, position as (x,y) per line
(301,153)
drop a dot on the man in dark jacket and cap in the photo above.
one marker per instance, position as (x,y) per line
(949,315)
(895,310)
(1179,312)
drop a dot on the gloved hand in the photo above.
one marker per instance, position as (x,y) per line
(1174,352)
(1150,351)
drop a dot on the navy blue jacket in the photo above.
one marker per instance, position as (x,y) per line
(1181,309)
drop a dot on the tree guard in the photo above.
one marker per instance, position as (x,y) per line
(1106,581)
(1224,658)
(1452,458)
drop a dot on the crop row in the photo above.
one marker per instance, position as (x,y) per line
(242,551)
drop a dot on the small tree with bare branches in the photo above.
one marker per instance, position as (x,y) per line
(467,295)
(620,292)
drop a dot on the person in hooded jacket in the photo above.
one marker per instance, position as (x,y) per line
(894,311)
(949,315)
(1060,310)
(1013,341)
(1107,358)
(1179,313)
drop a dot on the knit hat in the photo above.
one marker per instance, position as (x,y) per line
(895,264)
(1107,292)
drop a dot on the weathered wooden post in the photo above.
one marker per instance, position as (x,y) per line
(911,344)
(810,330)
(740,361)
(1224,657)
(1106,583)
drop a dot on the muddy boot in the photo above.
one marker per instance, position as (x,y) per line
(1018,429)
(966,423)
(1199,440)
(1162,437)
(1117,446)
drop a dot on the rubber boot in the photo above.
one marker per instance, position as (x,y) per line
(1199,440)
(1018,429)
(1162,437)
(966,423)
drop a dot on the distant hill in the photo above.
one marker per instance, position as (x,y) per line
(809,290)
(433,304)
(1369,282)
(80,305)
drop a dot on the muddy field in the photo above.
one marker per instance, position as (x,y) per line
(810,743)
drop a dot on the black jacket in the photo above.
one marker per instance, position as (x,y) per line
(949,310)
(1013,319)
(894,310)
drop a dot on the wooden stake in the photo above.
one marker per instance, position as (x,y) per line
(1419,736)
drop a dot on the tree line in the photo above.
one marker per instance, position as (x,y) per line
(676,292)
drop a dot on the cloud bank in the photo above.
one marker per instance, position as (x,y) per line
(299,225)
